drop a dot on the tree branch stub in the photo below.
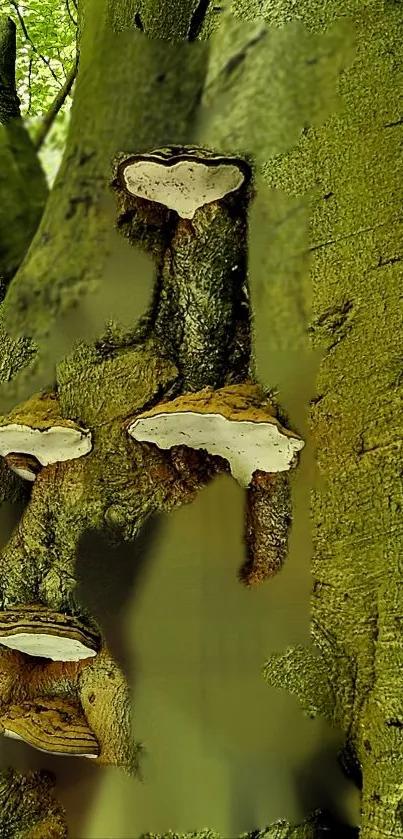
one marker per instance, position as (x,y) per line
(200,311)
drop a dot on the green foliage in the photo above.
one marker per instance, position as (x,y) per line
(43,60)
(46,46)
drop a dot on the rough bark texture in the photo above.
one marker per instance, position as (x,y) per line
(320,825)
(195,316)
(355,679)
(69,498)
(28,808)
(355,162)
(104,382)
(268,516)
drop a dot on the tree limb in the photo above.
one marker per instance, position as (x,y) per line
(58,102)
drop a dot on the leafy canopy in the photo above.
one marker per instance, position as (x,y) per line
(46,48)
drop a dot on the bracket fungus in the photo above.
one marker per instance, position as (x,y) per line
(39,631)
(237,423)
(188,207)
(34,435)
(75,708)
(54,725)
(182,178)
(25,465)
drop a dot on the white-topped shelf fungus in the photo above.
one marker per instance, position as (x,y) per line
(39,631)
(193,203)
(235,422)
(182,179)
(34,435)
(25,465)
(57,726)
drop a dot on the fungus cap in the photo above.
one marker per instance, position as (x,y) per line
(235,422)
(25,465)
(57,726)
(39,631)
(182,179)
(34,435)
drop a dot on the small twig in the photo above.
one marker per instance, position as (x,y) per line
(69,13)
(28,38)
(29,85)
(54,109)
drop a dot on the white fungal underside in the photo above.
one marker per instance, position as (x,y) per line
(246,445)
(183,187)
(14,736)
(24,473)
(48,446)
(48,646)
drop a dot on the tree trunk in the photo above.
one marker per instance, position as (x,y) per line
(356,323)
(133,64)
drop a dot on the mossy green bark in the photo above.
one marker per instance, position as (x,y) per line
(68,498)
(319,825)
(353,166)
(356,324)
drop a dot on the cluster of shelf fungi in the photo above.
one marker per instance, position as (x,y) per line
(53,653)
